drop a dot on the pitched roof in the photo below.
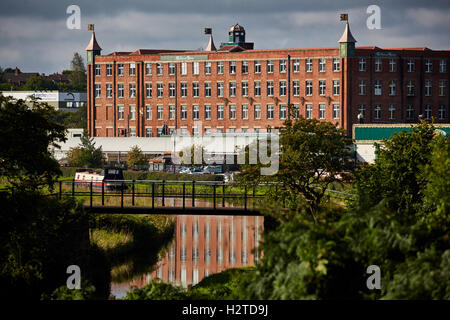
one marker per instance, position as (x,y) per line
(211,46)
(93,45)
(347,35)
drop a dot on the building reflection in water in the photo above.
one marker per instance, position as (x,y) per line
(206,245)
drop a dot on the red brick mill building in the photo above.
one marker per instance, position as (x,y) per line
(236,88)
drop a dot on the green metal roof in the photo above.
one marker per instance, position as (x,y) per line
(376,133)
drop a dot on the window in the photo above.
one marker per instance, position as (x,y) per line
(321,111)
(148,90)
(308,66)
(220,112)
(244,88)
(148,112)
(160,90)
(207,67)
(244,67)
(196,67)
(132,87)
(377,111)
(171,68)
(336,87)
(296,65)
(159,112)
(98,90)
(283,88)
(148,69)
(269,88)
(159,68)
(308,113)
(232,67)
(195,112)
(377,88)
(183,89)
(148,132)
(392,65)
(121,112)
(220,89)
(336,65)
(362,110)
(184,68)
(257,112)
(442,66)
(97,70)
(282,66)
(132,112)
(195,89)
(120,69)
(322,87)
(207,89)
(309,88)
(232,89)
(442,88)
(296,111)
(171,90)
(132,132)
(257,66)
(336,111)
(207,112)
(232,112)
(183,112)
(270,111)
(172,112)
(428,65)
(392,112)
(441,112)
(362,87)
(410,65)
(120,90)
(269,66)
(409,112)
(296,88)
(428,112)
(428,88)
(410,88)
(362,64)
(257,92)
(392,88)
(109,69)
(377,65)
(322,65)
(109,90)
(283,112)
(132,69)
(220,67)
(245,112)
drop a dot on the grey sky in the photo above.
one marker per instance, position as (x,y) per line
(34,37)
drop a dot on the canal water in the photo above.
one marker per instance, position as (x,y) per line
(202,245)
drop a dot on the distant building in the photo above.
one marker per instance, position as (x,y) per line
(67,101)
(17,77)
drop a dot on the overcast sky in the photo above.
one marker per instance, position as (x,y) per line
(34,36)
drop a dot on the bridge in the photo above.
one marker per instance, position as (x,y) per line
(163,197)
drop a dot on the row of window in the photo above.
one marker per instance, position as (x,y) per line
(245,112)
(410,87)
(245,66)
(232,89)
(410,65)
(378,111)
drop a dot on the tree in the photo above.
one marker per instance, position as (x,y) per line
(25,134)
(86,155)
(77,76)
(38,83)
(313,154)
(136,157)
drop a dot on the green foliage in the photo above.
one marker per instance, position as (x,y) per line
(72,119)
(86,155)
(160,175)
(38,83)
(25,135)
(136,157)
(87,292)
(77,76)
(156,290)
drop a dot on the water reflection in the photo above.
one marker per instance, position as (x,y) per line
(203,245)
